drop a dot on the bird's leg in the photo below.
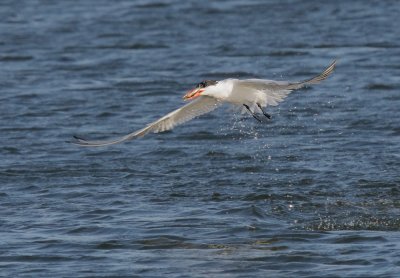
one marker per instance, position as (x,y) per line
(265,113)
(254,115)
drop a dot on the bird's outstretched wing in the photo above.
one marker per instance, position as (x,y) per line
(262,84)
(197,107)
(315,80)
(271,92)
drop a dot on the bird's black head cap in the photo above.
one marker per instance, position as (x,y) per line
(206,83)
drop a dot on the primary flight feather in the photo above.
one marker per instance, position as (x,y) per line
(251,94)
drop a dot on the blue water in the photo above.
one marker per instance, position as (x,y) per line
(312,193)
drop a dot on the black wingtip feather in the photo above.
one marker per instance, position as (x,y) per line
(77,140)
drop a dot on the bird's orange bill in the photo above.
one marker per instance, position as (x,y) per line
(193,93)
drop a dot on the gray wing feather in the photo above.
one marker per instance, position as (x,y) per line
(260,84)
(315,80)
(197,107)
(261,92)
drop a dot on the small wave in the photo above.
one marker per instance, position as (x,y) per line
(16,58)
(166,242)
(35,258)
(257,197)
(153,5)
(250,169)
(132,46)
(287,53)
(369,45)
(355,223)
(361,123)
(85,230)
(381,45)
(379,86)
(358,239)
(396,132)
(106,114)
(200,135)
(216,154)
(110,245)
(246,211)
(362,183)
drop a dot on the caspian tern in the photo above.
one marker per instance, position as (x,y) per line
(251,94)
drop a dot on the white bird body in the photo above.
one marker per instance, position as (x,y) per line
(250,94)
(221,91)
(258,91)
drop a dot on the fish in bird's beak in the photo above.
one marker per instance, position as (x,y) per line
(193,93)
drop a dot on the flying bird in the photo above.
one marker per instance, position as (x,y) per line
(253,95)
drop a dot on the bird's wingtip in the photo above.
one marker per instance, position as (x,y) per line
(77,137)
(77,140)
